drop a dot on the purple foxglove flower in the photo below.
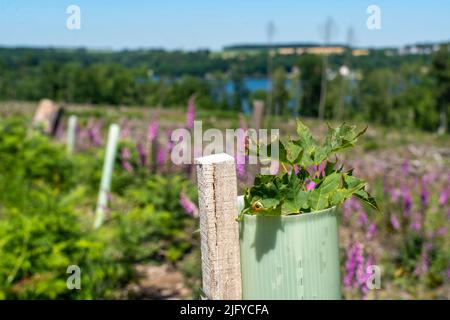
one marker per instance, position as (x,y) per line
(170,143)
(361,275)
(442,231)
(394,222)
(125,156)
(363,219)
(83,139)
(125,132)
(444,196)
(430,177)
(354,264)
(141,152)
(296,169)
(369,262)
(241,170)
(161,157)
(394,194)
(96,134)
(310,185)
(346,209)
(152,130)
(407,200)
(240,157)
(98,138)
(89,130)
(350,265)
(405,168)
(371,231)
(92,133)
(359,252)
(424,195)
(127,166)
(188,206)
(416,226)
(240,148)
(356,205)
(423,264)
(190,116)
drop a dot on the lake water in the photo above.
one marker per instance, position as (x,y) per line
(252,85)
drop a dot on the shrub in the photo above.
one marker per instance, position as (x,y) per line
(310,181)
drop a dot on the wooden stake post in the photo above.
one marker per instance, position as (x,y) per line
(48,115)
(258,114)
(217,192)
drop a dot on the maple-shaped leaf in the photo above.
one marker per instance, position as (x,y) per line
(301,189)
(367,199)
(307,145)
(294,152)
(295,198)
(320,196)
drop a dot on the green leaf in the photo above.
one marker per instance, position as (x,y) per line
(286,193)
(319,197)
(306,143)
(304,134)
(367,199)
(293,152)
(295,198)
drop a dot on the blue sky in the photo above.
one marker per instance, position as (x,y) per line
(193,24)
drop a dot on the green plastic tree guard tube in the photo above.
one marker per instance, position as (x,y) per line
(290,257)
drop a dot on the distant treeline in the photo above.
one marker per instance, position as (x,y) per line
(400,90)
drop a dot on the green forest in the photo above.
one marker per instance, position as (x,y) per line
(410,90)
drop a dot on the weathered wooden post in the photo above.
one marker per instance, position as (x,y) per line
(71,134)
(47,116)
(217,193)
(105,184)
(258,114)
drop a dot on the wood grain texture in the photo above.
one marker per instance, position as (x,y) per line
(217,192)
(47,115)
(258,114)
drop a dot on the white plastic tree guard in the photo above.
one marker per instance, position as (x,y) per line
(108,165)
(71,134)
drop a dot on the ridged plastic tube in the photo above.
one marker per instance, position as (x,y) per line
(290,257)
(108,165)
(71,133)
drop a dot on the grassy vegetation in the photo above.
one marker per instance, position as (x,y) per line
(47,200)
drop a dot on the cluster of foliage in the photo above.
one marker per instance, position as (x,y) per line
(395,90)
(410,240)
(41,231)
(47,199)
(310,181)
